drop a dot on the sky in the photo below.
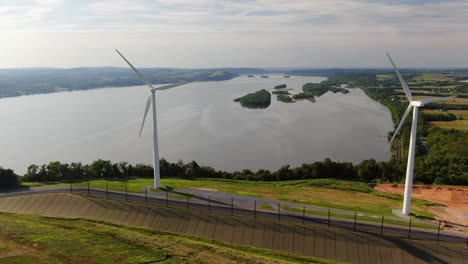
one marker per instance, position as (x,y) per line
(230,33)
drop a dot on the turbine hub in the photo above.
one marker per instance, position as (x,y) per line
(417,103)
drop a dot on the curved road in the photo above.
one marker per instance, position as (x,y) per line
(201,203)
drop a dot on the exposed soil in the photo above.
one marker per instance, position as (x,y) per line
(455,199)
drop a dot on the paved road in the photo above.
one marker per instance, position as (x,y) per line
(230,204)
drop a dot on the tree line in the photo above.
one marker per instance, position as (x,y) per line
(437,168)
(366,171)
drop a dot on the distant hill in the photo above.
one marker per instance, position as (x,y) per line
(25,81)
(16,82)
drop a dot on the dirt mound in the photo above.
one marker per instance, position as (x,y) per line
(455,199)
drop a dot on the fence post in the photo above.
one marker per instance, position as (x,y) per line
(232,206)
(409,229)
(303,215)
(126,195)
(438,232)
(146,196)
(279,206)
(88,188)
(209,203)
(381,226)
(187,201)
(328,217)
(355,217)
(71,188)
(107,190)
(255,209)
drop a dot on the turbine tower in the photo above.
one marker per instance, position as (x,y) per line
(152,100)
(414,104)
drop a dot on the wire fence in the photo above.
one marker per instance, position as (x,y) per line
(258,209)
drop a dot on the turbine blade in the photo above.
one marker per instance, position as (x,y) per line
(436,99)
(402,81)
(402,120)
(148,104)
(169,86)
(136,71)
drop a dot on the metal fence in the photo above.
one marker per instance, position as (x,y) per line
(356,222)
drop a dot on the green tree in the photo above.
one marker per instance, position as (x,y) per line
(368,170)
(8,179)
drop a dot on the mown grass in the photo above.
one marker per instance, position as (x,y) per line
(267,206)
(338,194)
(35,239)
(359,218)
(184,196)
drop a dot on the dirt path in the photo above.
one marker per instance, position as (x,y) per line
(454,199)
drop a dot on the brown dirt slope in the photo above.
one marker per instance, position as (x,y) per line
(454,199)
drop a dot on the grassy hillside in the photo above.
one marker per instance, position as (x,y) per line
(34,239)
(16,82)
(339,194)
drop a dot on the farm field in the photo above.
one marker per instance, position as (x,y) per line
(433,77)
(35,239)
(450,101)
(455,124)
(462,113)
(338,194)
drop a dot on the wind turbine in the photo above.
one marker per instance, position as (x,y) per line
(414,104)
(152,100)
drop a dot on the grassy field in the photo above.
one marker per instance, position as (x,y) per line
(383,77)
(456,124)
(450,101)
(338,194)
(267,206)
(35,239)
(433,77)
(358,217)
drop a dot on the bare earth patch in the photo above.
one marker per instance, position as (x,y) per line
(455,199)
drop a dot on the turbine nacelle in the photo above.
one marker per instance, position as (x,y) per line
(417,103)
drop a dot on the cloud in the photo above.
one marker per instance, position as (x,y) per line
(49,2)
(294,30)
(319,16)
(23,14)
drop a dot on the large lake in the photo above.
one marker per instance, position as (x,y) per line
(198,121)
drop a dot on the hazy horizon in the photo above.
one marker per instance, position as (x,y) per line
(275,69)
(244,33)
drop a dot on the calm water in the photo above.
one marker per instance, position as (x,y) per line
(198,122)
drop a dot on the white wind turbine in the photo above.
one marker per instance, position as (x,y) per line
(152,99)
(415,104)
